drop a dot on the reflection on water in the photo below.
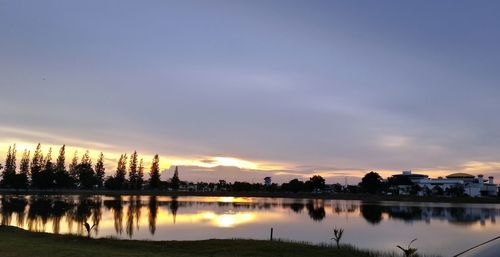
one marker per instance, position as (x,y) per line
(183,218)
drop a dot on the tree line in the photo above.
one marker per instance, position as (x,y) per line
(42,172)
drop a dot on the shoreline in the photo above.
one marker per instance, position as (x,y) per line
(16,242)
(325,196)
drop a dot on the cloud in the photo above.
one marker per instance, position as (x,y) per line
(273,87)
(476,167)
(13,133)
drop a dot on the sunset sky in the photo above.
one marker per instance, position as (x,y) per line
(240,90)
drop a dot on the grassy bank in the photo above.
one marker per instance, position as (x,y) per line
(361,197)
(15,242)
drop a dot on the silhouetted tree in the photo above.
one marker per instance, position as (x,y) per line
(62,176)
(100,171)
(238,186)
(353,189)
(140,174)
(110,183)
(61,160)
(132,168)
(47,174)
(9,172)
(86,175)
(121,171)
(175,181)
(21,180)
(338,188)
(86,158)
(222,185)
(36,167)
(372,183)
(72,168)
(294,185)
(154,173)
(317,182)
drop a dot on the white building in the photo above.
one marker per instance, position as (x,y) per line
(472,186)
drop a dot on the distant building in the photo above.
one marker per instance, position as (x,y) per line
(267,181)
(472,186)
(403,183)
(407,176)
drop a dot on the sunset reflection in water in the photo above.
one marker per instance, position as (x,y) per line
(374,225)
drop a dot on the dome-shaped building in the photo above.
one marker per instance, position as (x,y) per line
(460,176)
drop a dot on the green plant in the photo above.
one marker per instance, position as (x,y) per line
(89,228)
(337,235)
(408,251)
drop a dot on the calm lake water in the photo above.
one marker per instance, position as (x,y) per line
(440,228)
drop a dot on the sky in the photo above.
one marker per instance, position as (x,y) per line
(240,90)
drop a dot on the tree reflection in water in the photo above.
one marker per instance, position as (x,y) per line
(11,205)
(316,209)
(35,212)
(372,213)
(296,206)
(174,206)
(133,214)
(60,208)
(153,213)
(116,206)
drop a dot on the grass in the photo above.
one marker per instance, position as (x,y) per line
(15,242)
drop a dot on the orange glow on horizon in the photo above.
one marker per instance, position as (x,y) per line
(112,154)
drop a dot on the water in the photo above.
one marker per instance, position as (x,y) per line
(440,228)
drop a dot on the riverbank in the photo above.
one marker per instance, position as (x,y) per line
(327,196)
(15,242)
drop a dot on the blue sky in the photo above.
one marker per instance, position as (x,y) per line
(296,87)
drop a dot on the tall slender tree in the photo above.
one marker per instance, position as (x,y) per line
(47,173)
(121,171)
(62,178)
(10,162)
(21,180)
(132,175)
(61,159)
(9,171)
(86,158)
(24,165)
(86,175)
(154,173)
(175,181)
(36,166)
(100,171)
(140,174)
(48,160)
(72,168)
